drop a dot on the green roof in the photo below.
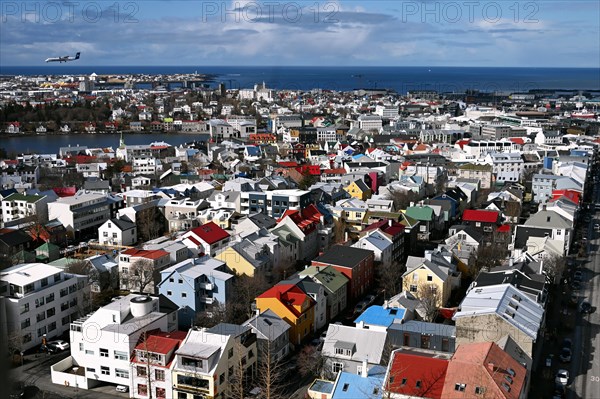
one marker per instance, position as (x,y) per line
(20,197)
(423,213)
(471,166)
(328,276)
(23,257)
(48,247)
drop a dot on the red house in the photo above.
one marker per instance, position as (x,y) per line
(206,239)
(483,220)
(355,263)
(416,374)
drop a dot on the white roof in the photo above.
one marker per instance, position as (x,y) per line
(367,344)
(28,273)
(507,302)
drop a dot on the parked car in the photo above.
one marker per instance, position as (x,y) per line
(562,377)
(565,355)
(585,307)
(578,275)
(549,360)
(51,348)
(360,307)
(122,388)
(60,344)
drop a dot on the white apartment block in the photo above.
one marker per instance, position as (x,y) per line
(182,214)
(102,343)
(91,169)
(40,300)
(480,149)
(81,212)
(139,269)
(326,134)
(370,122)
(17,207)
(146,165)
(220,129)
(386,111)
(507,167)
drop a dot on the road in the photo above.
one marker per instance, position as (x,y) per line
(585,368)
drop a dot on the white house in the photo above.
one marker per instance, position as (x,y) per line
(117,232)
(381,245)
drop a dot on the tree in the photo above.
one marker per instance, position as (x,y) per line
(307,180)
(311,363)
(340,227)
(14,345)
(146,361)
(402,198)
(271,376)
(245,289)
(389,278)
(487,257)
(554,267)
(512,209)
(141,276)
(150,223)
(431,300)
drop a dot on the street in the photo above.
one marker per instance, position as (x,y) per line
(585,368)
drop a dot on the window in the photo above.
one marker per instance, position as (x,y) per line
(25,323)
(49,298)
(184,294)
(52,326)
(44,281)
(222,378)
(230,353)
(418,384)
(81,346)
(413,288)
(425,341)
(103,352)
(508,379)
(50,312)
(90,369)
(181,395)
(159,375)
(28,288)
(160,393)
(39,302)
(41,316)
(189,362)
(506,387)
(27,338)
(122,373)
(479,390)
(104,370)
(445,345)
(169,293)
(142,389)
(337,367)
(404,381)
(511,372)
(121,355)
(180,281)
(24,308)
(89,352)
(460,387)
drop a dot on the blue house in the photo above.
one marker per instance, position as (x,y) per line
(196,285)
(380,317)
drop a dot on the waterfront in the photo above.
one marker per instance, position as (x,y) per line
(49,144)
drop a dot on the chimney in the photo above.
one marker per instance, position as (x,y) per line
(365,371)
(544,207)
(491,367)
(385,304)
(390,222)
(511,262)
(318,269)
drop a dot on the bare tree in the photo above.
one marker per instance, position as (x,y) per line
(431,300)
(14,345)
(311,363)
(150,223)
(142,276)
(402,198)
(512,209)
(246,289)
(554,267)
(487,257)
(389,278)
(238,380)
(210,317)
(271,376)
(340,227)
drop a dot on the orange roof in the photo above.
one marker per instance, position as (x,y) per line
(426,371)
(289,295)
(485,365)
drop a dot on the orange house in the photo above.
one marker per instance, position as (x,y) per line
(293,305)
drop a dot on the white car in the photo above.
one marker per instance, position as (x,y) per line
(122,388)
(562,377)
(60,344)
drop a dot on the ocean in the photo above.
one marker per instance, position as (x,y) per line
(399,79)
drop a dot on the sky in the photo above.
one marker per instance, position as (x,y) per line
(542,33)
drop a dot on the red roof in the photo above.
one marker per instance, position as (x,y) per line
(517,140)
(388,226)
(423,369)
(336,171)
(161,342)
(288,164)
(462,143)
(505,228)
(479,215)
(65,191)
(210,233)
(147,254)
(573,195)
(306,224)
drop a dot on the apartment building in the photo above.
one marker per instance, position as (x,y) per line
(17,208)
(139,269)
(102,343)
(39,301)
(182,213)
(274,203)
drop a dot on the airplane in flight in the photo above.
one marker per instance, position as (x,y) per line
(63,59)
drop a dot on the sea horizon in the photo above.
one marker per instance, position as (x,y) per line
(345,78)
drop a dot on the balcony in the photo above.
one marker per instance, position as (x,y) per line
(206,286)
(207,299)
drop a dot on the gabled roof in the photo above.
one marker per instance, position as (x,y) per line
(479,215)
(485,365)
(421,213)
(328,276)
(548,219)
(424,377)
(268,325)
(161,342)
(340,255)
(290,296)
(123,224)
(366,344)
(142,253)
(210,233)
(381,316)
(508,303)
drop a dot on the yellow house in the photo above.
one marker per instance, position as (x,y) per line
(424,277)
(245,258)
(293,305)
(358,189)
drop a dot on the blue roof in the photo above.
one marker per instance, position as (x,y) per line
(252,150)
(353,386)
(380,316)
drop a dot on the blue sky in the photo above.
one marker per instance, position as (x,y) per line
(541,33)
